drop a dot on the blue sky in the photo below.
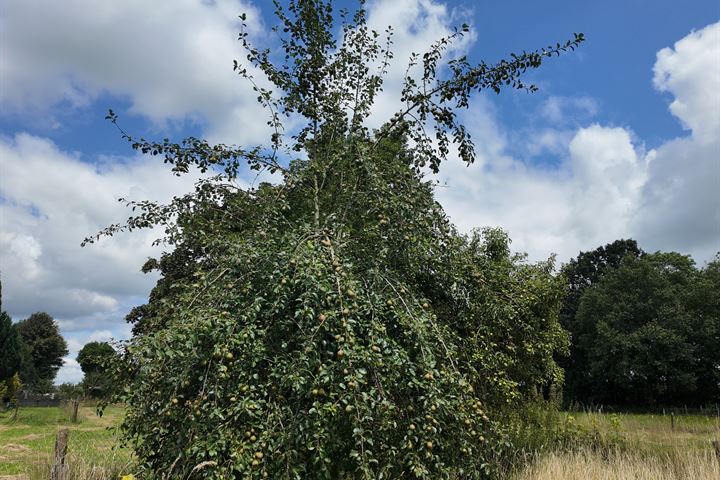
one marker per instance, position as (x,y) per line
(622,140)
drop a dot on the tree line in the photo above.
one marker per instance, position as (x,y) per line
(644,328)
(644,331)
(32,351)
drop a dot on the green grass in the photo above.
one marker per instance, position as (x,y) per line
(653,434)
(27,443)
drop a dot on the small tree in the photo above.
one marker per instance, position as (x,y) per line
(95,359)
(335,324)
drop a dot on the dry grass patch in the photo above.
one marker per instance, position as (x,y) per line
(589,465)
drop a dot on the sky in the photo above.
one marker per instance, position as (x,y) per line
(621,141)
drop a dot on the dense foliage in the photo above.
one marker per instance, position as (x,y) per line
(581,273)
(95,358)
(647,332)
(10,348)
(11,356)
(334,324)
(70,391)
(46,348)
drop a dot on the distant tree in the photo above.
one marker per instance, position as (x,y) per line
(70,390)
(703,329)
(94,356)
(588,267)
(581,273)
(638,332)
(11,350)
(46,348)
(95,359)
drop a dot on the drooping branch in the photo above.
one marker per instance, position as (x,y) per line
(200,153)
(208,192)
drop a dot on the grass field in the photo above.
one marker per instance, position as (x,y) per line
(27,443)
(623,465)
(653,434)
(651,449)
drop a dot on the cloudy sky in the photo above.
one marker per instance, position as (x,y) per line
(623,139)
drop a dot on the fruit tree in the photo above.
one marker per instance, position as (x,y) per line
(333,323)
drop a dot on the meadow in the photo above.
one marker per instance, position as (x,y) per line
(27,443)
(644,447)
(640,447)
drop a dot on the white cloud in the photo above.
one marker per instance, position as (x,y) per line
(606,186)
(51,200)
(585,202)
(171,59)
(558,109)
(680,206)
(25,252)
(70,372)
(74,346)
(691,73)
(101,336)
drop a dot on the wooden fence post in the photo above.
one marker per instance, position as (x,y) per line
(75,405)
(672,420)
(58,471)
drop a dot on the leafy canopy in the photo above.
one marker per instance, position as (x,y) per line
(46,348)
(646,333)
(335,324)
(95,359)
(10,346)
(14,357)
(582,273)
(94,356)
